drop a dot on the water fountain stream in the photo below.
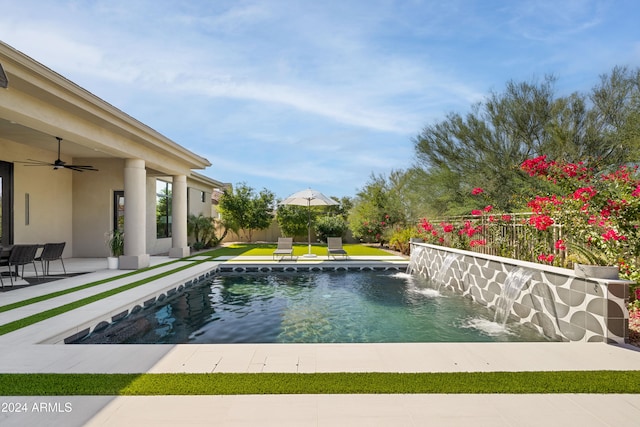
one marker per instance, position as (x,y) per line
(444,269)
(513,284)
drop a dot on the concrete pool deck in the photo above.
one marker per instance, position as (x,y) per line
(23,351)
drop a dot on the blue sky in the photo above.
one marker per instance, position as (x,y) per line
(287,95)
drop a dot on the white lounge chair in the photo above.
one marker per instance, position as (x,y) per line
(334,247)
(285,247)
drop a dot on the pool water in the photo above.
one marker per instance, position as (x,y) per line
(315,307)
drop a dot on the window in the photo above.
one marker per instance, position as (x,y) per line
(163,209)
(202,196)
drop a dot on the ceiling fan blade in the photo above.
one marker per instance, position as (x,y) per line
(81,168)
(32,162)
(58,163)
(70,167)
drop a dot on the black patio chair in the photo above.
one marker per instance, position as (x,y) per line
(21,255)
(51,252)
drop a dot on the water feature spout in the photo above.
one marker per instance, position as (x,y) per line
(513,284)
(412,267)
(444,268)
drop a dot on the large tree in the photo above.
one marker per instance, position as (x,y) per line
(485,147)
(244,209)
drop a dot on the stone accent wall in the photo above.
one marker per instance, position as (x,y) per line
(554,300)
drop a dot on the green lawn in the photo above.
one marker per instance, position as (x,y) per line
(320,383)
(299,249)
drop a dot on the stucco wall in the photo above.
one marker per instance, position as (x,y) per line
(50,204)
(93,205)
(196,206)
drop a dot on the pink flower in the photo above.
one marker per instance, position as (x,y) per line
(541,222)
(536,167)
(476,212)
(611,234)
(546,258)
(584,193)
(477,191)
(426,225)
(446,227)
(560,245)
(488,208)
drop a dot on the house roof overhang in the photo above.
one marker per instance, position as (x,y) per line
(38,104)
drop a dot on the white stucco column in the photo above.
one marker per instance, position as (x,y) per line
(179,245)
(135,246)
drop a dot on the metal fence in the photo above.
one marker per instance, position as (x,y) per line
(512,238)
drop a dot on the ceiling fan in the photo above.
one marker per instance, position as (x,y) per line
(59,163)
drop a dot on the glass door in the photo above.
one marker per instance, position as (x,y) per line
(118,211)
(6,203)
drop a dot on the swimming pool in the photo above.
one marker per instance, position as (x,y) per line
(314,307)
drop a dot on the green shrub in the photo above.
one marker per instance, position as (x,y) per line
(399,240)
(330,226)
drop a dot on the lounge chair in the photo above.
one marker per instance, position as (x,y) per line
(20,256)
(285,247)
(334,247)
(51,252)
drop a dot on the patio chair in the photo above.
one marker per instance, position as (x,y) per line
(21,255)
(334,247)
(285,247)
(51,252)
(5,251)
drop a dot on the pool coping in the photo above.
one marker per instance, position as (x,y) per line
(19,351)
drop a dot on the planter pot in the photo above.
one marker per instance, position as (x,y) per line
(112,263)
(597,271)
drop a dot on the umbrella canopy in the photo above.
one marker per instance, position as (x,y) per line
(309,198)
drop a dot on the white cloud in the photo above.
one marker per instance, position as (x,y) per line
(329,90)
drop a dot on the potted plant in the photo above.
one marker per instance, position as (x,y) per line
(115,242)
(592,263)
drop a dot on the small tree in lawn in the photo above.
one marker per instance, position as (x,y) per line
(293,220)
(245,210)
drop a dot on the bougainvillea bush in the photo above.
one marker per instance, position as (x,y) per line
(587,216)
(599,212)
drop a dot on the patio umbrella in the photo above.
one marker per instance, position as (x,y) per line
(309,198)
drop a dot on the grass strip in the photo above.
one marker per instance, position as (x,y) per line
(266,249)
(600,382)
(45,297)
(38,317)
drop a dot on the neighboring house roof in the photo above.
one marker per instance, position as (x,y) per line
(215,195)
